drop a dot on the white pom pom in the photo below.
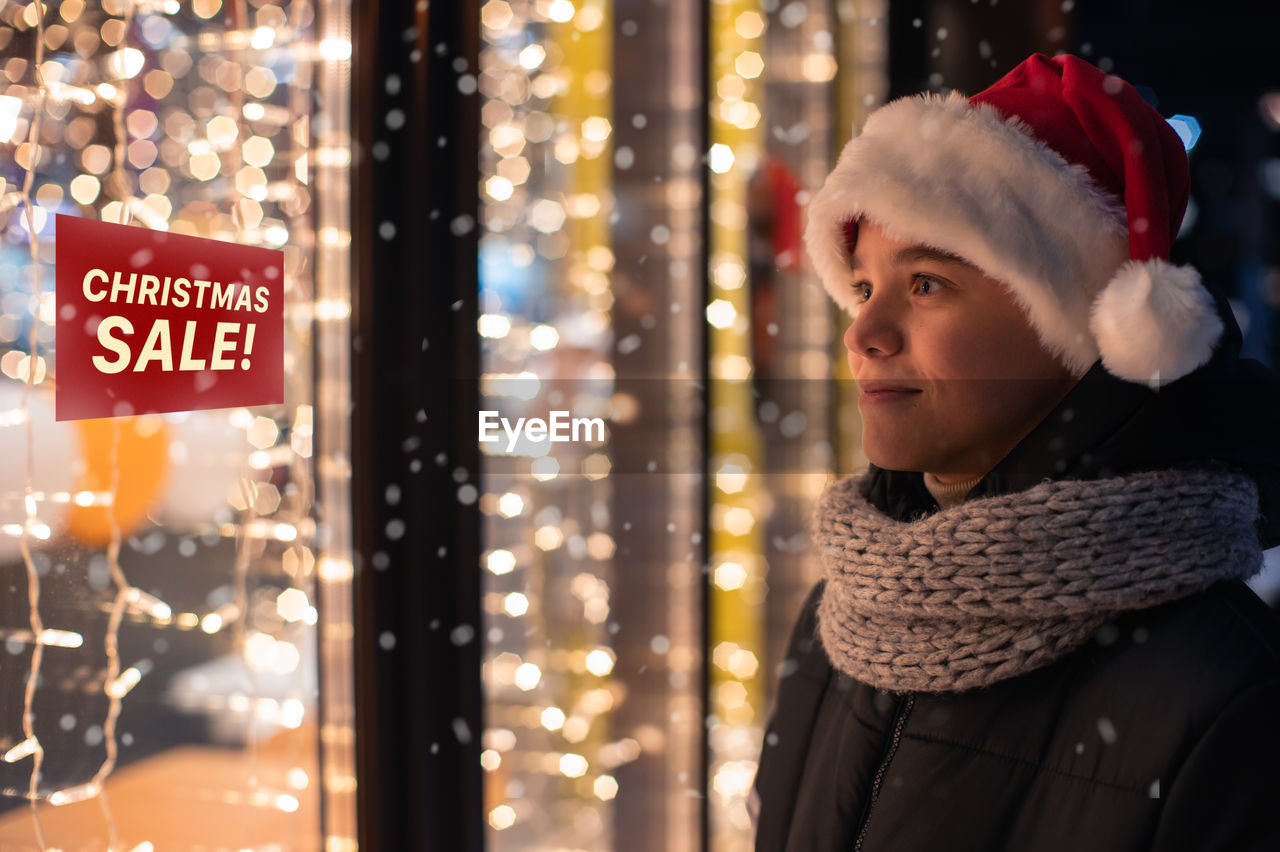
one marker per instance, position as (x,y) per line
(1154,322)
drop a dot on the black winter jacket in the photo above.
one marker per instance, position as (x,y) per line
(1162,734)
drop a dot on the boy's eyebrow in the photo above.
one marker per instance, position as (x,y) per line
(912,254)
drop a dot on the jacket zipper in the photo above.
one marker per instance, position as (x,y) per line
(900,722)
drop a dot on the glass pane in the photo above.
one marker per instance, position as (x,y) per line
(164,574)
(639,588)
(591,268)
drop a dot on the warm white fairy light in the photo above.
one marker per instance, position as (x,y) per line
(33,527)
(743,664)
(78,793)
(292,713)
(599,662)
(125,64)
(720,158)
(532,56)
(732,367)
(573,765)
(285,802)
(262,38)
(49,636)
(605,787)
(721,313)
(552,718)
(749,24)
(548,537)
(501,561)
(502,817)
(10,109)
(749,64)
(730,576)
(733,778)
(561,11)
(527,676)
(596,129)
(335,49)
(496,14)
(138,600)
(15,365)
(576,728)
(500,189)
(510,504)
(26,748)
(298,778)
(731,478)
(292,604)
(516,604)
(121,686)
(738,520)
(494,325)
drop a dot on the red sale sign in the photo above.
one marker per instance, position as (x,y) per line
(150,321)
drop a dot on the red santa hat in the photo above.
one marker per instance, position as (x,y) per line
(1060,182)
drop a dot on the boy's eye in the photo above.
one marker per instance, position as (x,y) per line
(925,285)
(928,285)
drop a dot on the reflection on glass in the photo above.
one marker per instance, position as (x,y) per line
(590,252)
(545,262)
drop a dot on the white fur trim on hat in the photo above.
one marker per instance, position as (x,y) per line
(963,178)
(1155,322)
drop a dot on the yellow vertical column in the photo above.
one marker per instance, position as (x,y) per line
(585,100)
(738,502)
(585,151)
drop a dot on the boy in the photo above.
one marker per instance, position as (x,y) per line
(1032,632)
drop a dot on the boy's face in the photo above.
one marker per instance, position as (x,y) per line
(950,373)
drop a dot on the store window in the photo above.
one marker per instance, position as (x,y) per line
(176,611)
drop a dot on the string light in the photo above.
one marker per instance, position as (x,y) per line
(33,580)
(26,748)
(48,636)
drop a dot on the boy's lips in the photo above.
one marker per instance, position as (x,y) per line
(883,387)
(884,391)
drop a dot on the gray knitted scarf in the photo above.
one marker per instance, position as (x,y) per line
(998,586)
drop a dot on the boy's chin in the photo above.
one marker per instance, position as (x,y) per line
(897,459)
